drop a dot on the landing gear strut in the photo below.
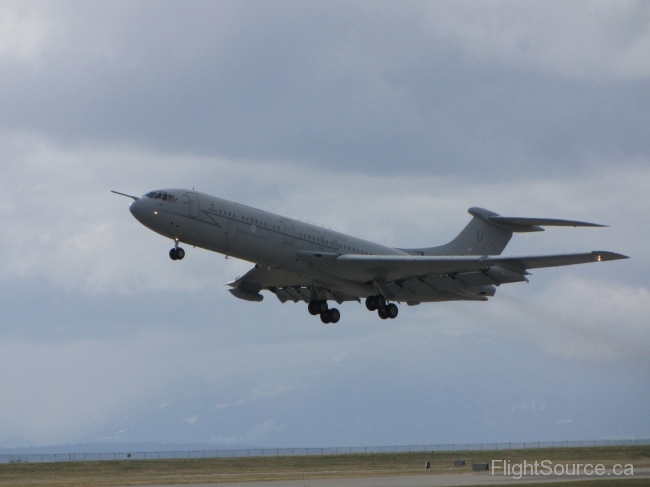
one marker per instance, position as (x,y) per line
(177,253)
(384,310)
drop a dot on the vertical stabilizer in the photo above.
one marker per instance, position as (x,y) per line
(488,233)
(479,237)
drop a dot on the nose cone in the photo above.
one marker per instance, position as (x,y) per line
(137,209)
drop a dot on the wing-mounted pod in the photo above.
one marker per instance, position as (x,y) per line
(246,295)
(501,275)
(488,233)
(243,290)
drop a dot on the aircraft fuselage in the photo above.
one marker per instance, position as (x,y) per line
(264,238)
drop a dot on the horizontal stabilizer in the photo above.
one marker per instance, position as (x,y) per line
(514,222)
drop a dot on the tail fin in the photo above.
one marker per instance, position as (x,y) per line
(488,233)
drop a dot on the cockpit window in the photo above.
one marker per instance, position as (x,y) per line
(161,195)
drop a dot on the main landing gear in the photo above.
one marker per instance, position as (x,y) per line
(384,310)
(327,315)
(177,253)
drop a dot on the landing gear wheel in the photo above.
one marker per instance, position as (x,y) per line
(312,307)
(334,315)
(371,303)
(381,301)
(325,317)
(180,253)
(172,254)
(382,313)
(322,306)
(391,310)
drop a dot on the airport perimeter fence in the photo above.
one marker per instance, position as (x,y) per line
(271,452)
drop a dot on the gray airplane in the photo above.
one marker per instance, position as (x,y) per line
(299,260)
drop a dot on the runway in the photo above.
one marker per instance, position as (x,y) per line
(427,480)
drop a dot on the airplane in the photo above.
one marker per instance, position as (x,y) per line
(298,260)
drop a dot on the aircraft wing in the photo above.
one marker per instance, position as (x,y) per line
(403,277)
(365,268)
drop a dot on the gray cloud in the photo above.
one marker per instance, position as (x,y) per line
(346,88)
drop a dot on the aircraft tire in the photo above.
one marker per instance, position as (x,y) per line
(312,307)
(382,313)
(172,254)
(334,315)
(371,303)
(392,311)
(322,306)
(325,317)
(381,301)
(180,253)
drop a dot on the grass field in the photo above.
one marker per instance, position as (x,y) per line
(140,472)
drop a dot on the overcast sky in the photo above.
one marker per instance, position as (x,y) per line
(386,120)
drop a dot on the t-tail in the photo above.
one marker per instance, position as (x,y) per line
(488,233)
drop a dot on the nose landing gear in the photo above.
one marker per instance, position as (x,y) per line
(177,253)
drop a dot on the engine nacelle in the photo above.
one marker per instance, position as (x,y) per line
(246,295)
(502,275)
